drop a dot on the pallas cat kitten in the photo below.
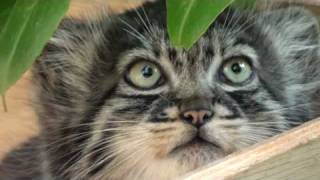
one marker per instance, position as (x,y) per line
(117,101)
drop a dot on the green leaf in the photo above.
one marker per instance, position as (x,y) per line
(5,11)
(187,20)
(25,27)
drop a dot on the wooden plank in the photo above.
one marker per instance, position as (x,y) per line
(294,155)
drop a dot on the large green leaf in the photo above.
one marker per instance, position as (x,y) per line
(25,27)
(187,20)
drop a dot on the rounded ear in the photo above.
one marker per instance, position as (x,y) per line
(58,72)
(291,28)
(75,49)
(74,67)
(63,54)
(293,32)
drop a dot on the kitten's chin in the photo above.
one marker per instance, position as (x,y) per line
(197,153)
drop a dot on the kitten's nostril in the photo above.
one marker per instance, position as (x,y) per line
(197,117)
(207,115)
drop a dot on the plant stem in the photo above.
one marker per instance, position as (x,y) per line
(4,103)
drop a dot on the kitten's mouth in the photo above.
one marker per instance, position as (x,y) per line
(196,144)
(197,152)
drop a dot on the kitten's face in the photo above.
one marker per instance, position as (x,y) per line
(191,107)
(168,110)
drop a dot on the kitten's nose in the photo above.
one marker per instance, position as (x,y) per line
(196,110)
(197,117)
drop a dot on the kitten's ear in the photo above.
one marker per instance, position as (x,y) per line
(293,33)
(291,28)
(73,62)
(75,48)
(66,53)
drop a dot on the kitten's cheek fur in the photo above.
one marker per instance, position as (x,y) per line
(149,144)
(165,137)
(226,137)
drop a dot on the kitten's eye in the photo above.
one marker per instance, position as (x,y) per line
(237,71)
(144,75)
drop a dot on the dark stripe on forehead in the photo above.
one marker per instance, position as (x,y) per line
(243,39)
(156,52)
(172,53)
(209,52)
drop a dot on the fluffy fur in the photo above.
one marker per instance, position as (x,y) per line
(97,126)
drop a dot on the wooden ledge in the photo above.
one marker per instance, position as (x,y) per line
(294,155)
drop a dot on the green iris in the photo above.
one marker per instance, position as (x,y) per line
(144,75)
(237,71)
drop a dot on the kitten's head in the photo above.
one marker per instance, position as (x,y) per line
(117,97)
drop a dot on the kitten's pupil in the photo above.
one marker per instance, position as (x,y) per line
(236,68)
(147,71)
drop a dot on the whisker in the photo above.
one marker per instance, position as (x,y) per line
(143,22)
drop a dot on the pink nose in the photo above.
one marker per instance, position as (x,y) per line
(197,117)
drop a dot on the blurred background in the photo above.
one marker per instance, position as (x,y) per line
(20,122)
